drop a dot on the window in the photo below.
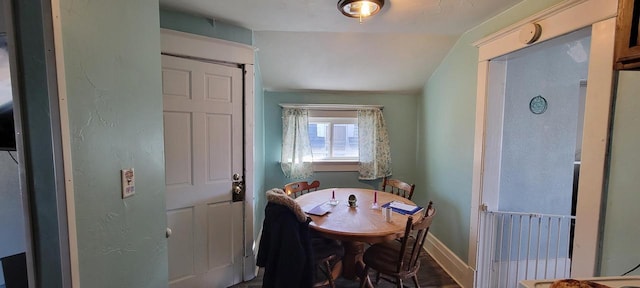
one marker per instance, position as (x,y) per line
(334,139)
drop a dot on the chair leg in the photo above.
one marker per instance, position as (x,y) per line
(364,278)
(377,278)
(329,275)
(415,281)
(399,282)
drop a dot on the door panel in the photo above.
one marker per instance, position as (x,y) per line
(181,247)
(177,125)
(203,149)
(221,157)
(219,88)
(176,83)
(218,256)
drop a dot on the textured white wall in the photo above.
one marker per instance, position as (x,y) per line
(539,149)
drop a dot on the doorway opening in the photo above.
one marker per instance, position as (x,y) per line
(535,112)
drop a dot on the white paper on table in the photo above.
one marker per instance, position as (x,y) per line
(402,206)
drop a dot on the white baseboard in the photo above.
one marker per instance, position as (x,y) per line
(462,273)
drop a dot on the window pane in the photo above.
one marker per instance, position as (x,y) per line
(319,140)
(345,140)
(334,138)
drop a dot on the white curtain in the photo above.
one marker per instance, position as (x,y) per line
(373,142)
(296,159)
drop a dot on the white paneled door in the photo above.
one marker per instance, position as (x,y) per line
(203,130)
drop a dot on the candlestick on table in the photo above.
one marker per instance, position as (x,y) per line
(333,200)
(374,205)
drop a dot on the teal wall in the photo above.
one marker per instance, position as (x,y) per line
(179,21)
(399,113)
(621,235)
(112,70)
(446,120)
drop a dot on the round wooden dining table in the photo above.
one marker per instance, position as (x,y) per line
(354,226)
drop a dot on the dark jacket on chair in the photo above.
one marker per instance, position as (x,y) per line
(285,246)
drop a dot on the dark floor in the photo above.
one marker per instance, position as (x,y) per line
(430,275)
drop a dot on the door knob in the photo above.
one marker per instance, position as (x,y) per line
(237,190)
(168,232)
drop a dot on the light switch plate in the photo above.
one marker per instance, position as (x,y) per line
(128,183)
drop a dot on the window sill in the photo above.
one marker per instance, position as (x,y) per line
(326,166)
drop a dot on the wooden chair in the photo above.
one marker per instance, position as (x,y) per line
(398,187)
(328,259)
(295,189)
(399,259)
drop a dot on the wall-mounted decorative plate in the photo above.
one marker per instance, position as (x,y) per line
(538,105)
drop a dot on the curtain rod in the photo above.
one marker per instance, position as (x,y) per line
(330,106)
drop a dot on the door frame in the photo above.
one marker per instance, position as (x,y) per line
(210,49)
(560,19)
(42,141)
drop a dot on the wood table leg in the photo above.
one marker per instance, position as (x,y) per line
(353,252)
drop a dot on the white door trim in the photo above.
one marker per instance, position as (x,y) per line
(557,20)
(190,45)
(594,149)
(65,134)
(560,19)
(205,48)
(249,271)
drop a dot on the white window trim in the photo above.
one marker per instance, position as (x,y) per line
(336,107)
(335,166)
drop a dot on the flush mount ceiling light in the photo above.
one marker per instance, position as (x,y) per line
(360,8)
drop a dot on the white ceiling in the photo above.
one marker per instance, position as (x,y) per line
(310,45)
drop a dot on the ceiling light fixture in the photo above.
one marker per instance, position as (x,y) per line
(360,8)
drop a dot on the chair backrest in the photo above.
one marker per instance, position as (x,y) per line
(398,187)
(409,258)
(295,189)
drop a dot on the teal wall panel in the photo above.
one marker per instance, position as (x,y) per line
(112,70)
(179,21)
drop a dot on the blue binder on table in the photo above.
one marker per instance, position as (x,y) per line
(404,209)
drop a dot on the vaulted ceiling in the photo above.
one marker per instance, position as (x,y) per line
(310,45)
